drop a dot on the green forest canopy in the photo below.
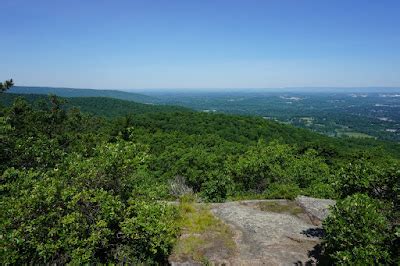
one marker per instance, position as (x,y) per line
(78,187)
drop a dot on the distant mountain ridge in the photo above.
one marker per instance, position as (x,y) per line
(70,92)
(100,106)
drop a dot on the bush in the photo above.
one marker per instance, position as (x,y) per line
(282,191)
(151,229)
(261,166)
(216,188)
(357,232)
(378,180)
(115,167)
(46,223)
(321,190)
(79,213)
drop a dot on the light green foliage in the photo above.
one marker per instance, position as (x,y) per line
(45,221)
(262,165)
(282,191)
(5,127)
(37,152)
(202,233)
(202,170)
(379,179)
(321,189)
(195,165)
(359,176)
(357,232)
(151,228)
(113,167)
(308,169)
(217,187)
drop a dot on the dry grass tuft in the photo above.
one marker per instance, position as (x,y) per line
(203,235)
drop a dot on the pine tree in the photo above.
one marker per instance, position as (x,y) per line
(6,85)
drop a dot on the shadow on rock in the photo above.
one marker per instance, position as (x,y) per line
(317,256)
(313,232)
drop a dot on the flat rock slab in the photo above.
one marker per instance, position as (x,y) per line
(267,238)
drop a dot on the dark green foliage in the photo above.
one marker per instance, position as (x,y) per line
(357,232)
(79,213)
(274,166)
(347,113)
(65,191)
(100,106)
(363,228)
(46,221)
(70,92)
(6,85)
(78,188)
(262,165)
(379,179)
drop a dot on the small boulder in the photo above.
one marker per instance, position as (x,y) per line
(316,209)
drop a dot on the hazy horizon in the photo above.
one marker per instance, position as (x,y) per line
(377,89)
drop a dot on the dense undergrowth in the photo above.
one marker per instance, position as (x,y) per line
(77,188)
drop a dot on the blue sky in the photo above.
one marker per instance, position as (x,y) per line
(200,43)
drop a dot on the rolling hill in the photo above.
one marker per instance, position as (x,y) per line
(100,106)
(69,92)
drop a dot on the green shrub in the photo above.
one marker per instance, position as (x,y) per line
(151,229)
(321,190)
(378,180)
(115,167)
(282,191)
(45,222)
(357,232)
(73,214)
(261,166)
(216,188)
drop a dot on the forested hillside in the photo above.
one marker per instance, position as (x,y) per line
(70,92)
(351,112)
(101,106)
(78,188)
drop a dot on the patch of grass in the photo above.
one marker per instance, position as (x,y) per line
(189,247)
(281,207)
(352,134)
(202,233)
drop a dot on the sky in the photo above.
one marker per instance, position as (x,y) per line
(200,44)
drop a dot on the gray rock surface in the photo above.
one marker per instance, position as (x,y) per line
(317,209)
(267,238)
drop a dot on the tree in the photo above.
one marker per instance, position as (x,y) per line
(6,85)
